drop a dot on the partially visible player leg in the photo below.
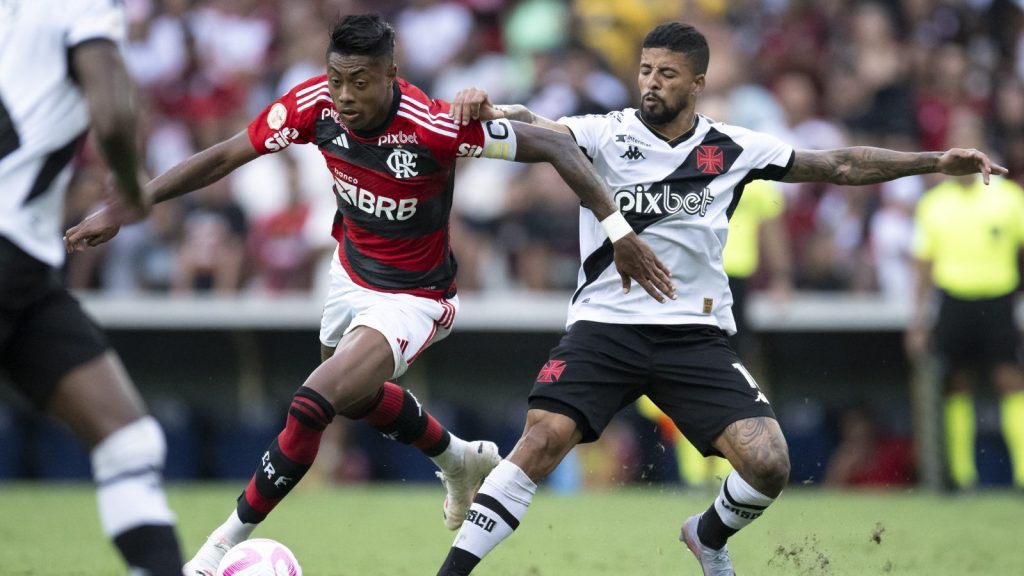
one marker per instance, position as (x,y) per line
(60,359)
(99,404)
(508,490)
(1009,382)
(347,378)
(757,450)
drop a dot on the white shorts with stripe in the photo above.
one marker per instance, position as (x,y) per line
(409,323)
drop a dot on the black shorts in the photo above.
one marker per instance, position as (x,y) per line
(690,372)
(976,332)
(44,333)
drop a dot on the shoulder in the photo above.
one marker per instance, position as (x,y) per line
(429,117)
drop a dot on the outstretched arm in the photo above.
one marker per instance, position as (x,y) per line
(474,104)
(633,258)
(198,171)
(861,165)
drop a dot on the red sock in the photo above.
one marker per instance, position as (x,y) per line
(289,456)
(399,415)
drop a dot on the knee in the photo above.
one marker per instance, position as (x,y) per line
(541,449)
(770,469)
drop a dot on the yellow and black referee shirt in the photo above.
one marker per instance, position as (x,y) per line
(972,235)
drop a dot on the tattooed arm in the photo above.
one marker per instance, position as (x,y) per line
(865,165)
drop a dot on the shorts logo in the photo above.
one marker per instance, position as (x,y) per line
(402,344)
(551,371)
(710,159)
(402,163)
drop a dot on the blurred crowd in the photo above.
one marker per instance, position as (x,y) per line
(904,74)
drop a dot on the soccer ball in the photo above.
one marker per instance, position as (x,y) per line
(259,557)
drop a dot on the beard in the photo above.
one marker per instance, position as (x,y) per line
(662,114)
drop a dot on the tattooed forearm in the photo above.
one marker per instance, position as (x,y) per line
(859,165)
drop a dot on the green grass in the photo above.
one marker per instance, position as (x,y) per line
(396,530)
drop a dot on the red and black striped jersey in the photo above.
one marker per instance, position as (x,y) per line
(393,187)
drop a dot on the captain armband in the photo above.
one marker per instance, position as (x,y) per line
(499,139)
(615,226)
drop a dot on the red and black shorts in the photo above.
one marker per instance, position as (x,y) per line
(688,371)
(44,333)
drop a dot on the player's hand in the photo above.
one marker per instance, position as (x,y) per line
(473,104)
(102,225)
(964,161)
(635,260)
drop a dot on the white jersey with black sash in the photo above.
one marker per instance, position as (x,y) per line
(43,114)
(678,196)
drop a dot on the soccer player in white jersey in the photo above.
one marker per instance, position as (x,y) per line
(392,153)
(60,73)
(677,176)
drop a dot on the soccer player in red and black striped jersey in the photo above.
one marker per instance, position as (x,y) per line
(391,151)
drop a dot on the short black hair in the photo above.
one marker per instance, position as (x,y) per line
(679,37)
(363,35)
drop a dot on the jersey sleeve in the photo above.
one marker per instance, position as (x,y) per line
(487,139)
(587,131)
(94,20)
(288,120)
(767,157)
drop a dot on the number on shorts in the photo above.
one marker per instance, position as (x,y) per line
(750,380)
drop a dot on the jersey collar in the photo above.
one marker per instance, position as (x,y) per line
(673,142)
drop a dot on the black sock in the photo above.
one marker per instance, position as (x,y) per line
(458,563)
(153,548)
(712,531)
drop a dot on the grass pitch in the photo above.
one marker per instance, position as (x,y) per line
(396,530)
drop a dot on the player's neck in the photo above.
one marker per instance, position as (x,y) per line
(683,123)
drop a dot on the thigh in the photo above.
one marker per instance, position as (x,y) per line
(957,335)
(702,385)
(408,323)
(595,371)
(49,339)
(96,398)
(999,335)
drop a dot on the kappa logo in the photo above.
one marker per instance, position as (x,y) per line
(551,371)
(633,153)
(403,163)
(710,159)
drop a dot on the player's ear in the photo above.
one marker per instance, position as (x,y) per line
(391,73)
(698,83)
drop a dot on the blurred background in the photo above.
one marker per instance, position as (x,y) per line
(214,301)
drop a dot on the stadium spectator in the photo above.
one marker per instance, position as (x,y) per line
(391,151)
(212,244)
(867,455)
(967,243)
(61,72)
(678,177)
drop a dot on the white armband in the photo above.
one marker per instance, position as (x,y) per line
(499,139)
(615,226)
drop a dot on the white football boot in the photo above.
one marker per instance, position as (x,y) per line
(479,458)
(712,562)
(206,560)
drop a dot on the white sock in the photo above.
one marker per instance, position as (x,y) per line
(497,510)
(128,468)
(233,530)
(738,503)
(450,460)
